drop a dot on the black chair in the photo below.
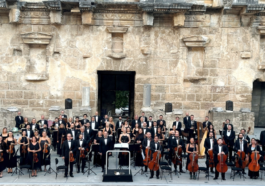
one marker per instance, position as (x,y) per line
(165,166)
(60,167)
(21,167)
(262,170)
(203,169)
(236,170)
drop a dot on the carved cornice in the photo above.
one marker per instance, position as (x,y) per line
(36,38)
(53,5)
(196,41)
(117,29)
(3,4)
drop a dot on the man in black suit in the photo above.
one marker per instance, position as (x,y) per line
(150,122)
(176,142)
(170,138)
(97,118)
(119,123)
(94,125)
(262,139)
(192,127)
(84,120)
(186,121)
(209,143)
(42,121)
(30,133)
(155,147)
(80,144)
(61,121)
(161,119)
(34,125)
(154,129)
(105,120)
(206,123)
(229,137)
(241,146)
(84,134)
(19,120)
(147,144)
(142,116)
(67,148)
(245,136)
(45,128)
(141,123)
(227,122)
(63,115)
(135,121)
(72,132)
(218,150)
(145,129)
(178,125)
(90,133)
(105,145)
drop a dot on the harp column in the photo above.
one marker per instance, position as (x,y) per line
(147,98)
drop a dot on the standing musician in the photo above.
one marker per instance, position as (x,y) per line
(253,147)
(45,129)
(146,144)
(150,122)
(61,137)
(36,134)
(45,158)
(105,119)
(97,140)
(94,124)
(55,127)
(155,147)
(191,148)
(135,130)
(178,125)
(97,118)
(29,132)
(161,120)
(226,124)
(192,127)
(154,129)
(72,131)
(4,133)
(80,145)
(262,139)
(68,124)
(135,121)
(118,127)
(245,136)
(186,122)
(241,146)
(42,121)
(67,149)
(209,143)
(34,156)
(141,122)
(229,137)
(19,120)
(34,125)
(24,124)
(124,157)
(161,136)
(23,141)
(90,137)
(85,120)
(83,132)
(11,159)
(217,150)
(145,129)
(138,140)
(211,129)
(2,156)
(105,145)
(111,123)
(108,129)
(60,120)
(176,142)
(63,115)
(142,116)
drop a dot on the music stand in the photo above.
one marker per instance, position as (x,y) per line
(50,170)
(95,148)
(141,171)
(89,169)
(17,170)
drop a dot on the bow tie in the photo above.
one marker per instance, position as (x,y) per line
(69,141)
(81,140)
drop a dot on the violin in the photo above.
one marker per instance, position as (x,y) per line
(147,156)
(89,145)
(62,140)
(177,159)
(1,154)
(211,159)
(24,149)
(242,160)
(154,163)
(222,166)
(35,157)
(82,154)
(11,149)
(254,164)
(193,165)
(71,157)
(45,149)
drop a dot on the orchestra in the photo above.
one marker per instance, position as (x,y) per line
(77,141)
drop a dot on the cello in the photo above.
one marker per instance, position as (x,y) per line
(177,159)
(193,165)
(211,159)
(254,164)
(242,160)
(154,163)
(147,156)
(222,166)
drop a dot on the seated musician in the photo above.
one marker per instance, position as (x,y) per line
(68,149)
(245,136)
(253,147)
(241,146)
(176,142)
(105,145)
(208,145)
(217,150)
(190,149)
(155,147)
(229,137)
(178,125)
(124,157)
(45,128)
(146,144)
(80,144)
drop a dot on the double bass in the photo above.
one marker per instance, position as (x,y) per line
(193,165)
(222,166)
(254,164)
(177,159)
(154,163)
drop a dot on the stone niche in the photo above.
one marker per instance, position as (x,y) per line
(37,43)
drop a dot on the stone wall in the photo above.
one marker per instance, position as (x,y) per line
(196,59)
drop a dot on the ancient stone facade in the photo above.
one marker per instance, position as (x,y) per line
(195,54)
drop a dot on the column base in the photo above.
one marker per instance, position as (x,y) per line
(146,109)
(85,108)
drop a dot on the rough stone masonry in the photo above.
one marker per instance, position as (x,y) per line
(196,54)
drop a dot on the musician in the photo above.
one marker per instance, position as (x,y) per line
(211,129)
(10,159)
(217,150)
(19,120)
(61,136)
(24,124)
(135,121)
(253,147)
(42,121)
(171,136)
(160,136)
(154,129)
(161,126)
(209,143)
(190,149)
(68,147)
(34,126)
(128,131)
(4,133)
(34,150)
(45,158)
(29,132)
(145,129)
(124,138)
(206,123)
(178,125)
(155,147)
(126,125)
(105,145)
(63,115)
(78,125)
(229,137)
(106,119)
(55,127)
(80,144)
(227,123)
(262,139)
(68,124)
(90,137)
(161,119)
(146,144)
(84,134)
(97,140)
(84,120)
(97,118)
(72,131)
(141,122)
(111,123)
(135,130)
(176,142)
(2,155)
(45,129)
(61,121)
(192,127)
(245,136)
(186,121)
(94,124)
(150,123)
(138,140)
(142,116)
(241,146)
(119,123)
(23,141)
(36,134)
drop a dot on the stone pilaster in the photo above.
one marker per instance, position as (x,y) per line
(148,19)
(85,99)
(147,98)
(87,17)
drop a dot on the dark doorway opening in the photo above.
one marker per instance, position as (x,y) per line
(116,89)
(258,103)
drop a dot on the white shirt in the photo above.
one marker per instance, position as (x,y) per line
(228,133)
(148,143)
(96,118)
(177,141)
(83,135)
(142,125)
(177,122)
(28,132)
(93,125)
(150,123)
(156,145)
(187,118)
(144,130)
(220,149)
(81,143)
(119,124)
(136,121)
(19,117)
(87,131)
(84,121)
(211,143)
(62,116)
(42,122)
(69,144)
(73,133)
(56,125)
(60,121)
(33,127)
(106,141)
(241,145)
(155,129)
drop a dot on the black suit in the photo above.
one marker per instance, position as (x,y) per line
(158,122)
(145,130)
(45,122)
(47,132)
(84,121)
(31,133)
(65,154)
(134,122)
(154,147)
(144,145)
(225,127)
(216,152)
(145,119)
(262,139)
(85,135)
(207,146)
(61,122)
(37,127)
(191,131)
(178,126)
(77,155)
(90,134)
(238,147)
(204,124)
(99,119)
(64,116)
(229,140)
(153,131)
(186,123)
(19,121)
(103,148)
(172,144)
(148,124)
(73,133)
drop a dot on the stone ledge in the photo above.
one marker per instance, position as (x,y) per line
(245,55)
(117,29)
(196,41)
(261,67)
(194,78)
(36,38)
(117,55)
(36,77)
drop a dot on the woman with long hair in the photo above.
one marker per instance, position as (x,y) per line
(34,154)
(11,159)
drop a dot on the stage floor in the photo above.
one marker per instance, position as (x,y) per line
(80,179)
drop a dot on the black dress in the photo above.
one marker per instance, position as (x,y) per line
(3,163)
(11,160)
(34,166)
(138,151)
(4,138)
(124,157)
(44,158)
(54,135)
(61,132)
(250,150)
(191,149)
(23,156)
(97,157)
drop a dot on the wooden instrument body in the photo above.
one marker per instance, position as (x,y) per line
(71,157)
(11,148)
(177,159)
(35,158)
(147,156)
(154,163)
(241,157)
(211,158)
(45,150)
(222,166)
(193,165)
(1,156)
(82,154)
(24,149)
(89,145)
(254,164)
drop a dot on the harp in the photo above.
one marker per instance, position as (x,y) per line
(201,135)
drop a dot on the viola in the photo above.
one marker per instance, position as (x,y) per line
(154,163)
(82,154)
(89,145)
(11,149)
(222,166)
(71,157)
(177,159)
(254,164)
(147,156)
(193,165)
(23,149)
(45,149)
(35,158)
(211,159)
